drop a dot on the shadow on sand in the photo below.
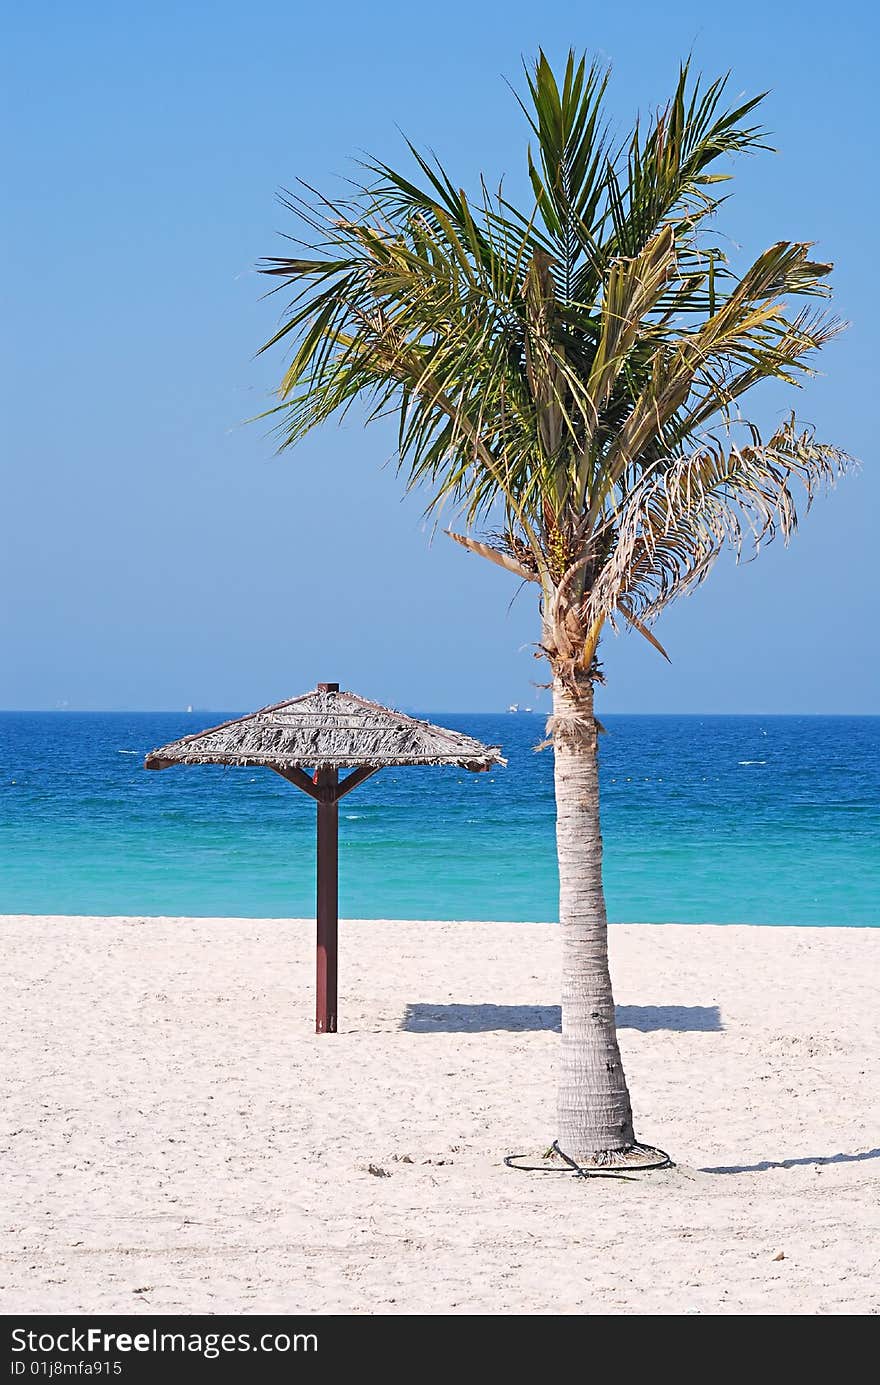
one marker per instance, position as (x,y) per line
(476,1019)
(767,1164)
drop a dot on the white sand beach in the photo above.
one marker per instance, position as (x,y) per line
(175,1138)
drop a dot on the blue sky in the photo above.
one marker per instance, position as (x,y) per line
(156,553)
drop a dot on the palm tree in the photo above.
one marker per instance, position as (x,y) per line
(569,377)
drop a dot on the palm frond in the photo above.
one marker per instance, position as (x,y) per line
(677,522)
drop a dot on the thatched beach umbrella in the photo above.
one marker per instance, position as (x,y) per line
(308,740)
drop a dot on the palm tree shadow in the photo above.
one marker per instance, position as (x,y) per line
(481,1019)
(766,1164)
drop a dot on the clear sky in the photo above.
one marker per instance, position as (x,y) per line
(155,553)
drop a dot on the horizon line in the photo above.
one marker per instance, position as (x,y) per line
(487,711)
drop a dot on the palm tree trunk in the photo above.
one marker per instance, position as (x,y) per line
(594,1113)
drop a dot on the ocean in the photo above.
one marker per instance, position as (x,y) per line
(706,819)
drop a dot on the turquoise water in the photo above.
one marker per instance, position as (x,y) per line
(706,819)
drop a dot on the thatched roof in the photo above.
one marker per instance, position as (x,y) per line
(326,729)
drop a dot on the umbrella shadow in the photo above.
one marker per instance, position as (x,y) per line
(766,1164)
(482,1019)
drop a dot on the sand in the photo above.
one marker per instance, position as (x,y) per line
(176,1139)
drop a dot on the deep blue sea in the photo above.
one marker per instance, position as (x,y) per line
(772,820)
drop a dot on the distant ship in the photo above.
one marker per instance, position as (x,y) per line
(515,707)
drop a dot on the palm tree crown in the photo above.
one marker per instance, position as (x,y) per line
(570,376)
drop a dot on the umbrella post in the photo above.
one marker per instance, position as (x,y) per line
(327,902)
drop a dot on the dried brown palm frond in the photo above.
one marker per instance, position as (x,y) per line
(675,524)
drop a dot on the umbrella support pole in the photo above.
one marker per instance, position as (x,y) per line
(326,788)
(327,902)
